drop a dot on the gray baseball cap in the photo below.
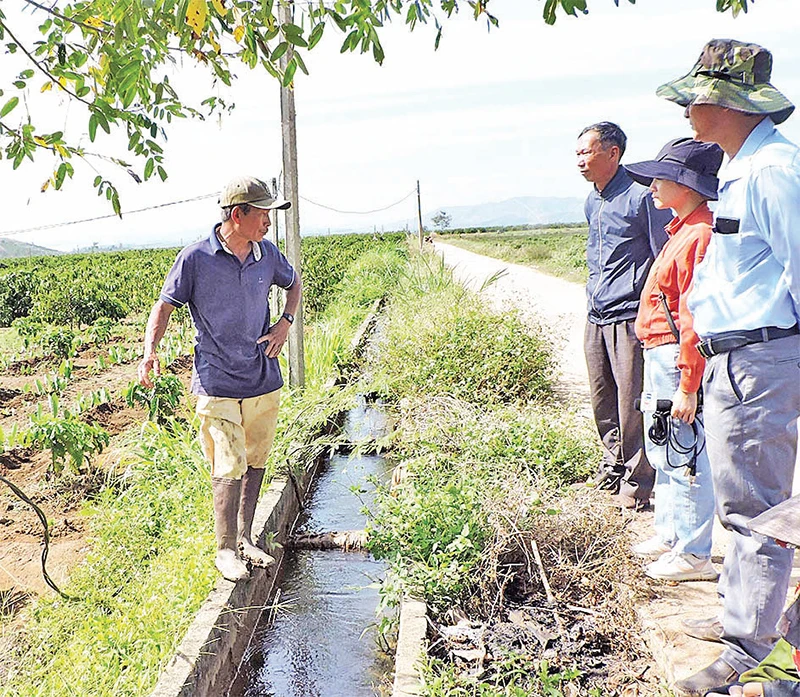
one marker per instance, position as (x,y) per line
(252,191)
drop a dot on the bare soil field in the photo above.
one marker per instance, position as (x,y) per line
(62,498)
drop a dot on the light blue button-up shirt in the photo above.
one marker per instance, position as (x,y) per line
(750,277)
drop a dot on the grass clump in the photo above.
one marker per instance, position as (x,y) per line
(441,340)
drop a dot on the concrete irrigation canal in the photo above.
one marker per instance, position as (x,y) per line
(319,638)
(310,630)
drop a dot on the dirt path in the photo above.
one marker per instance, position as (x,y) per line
(562,306)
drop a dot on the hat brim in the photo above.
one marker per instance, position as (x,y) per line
(749,99)
(780,522)
(271,204)
(645,172)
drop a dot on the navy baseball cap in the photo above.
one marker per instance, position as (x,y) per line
(686,161)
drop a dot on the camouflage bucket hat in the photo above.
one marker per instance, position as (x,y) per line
(734,75)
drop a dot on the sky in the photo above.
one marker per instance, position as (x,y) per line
(489,116)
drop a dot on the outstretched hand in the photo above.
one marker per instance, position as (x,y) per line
(147,364)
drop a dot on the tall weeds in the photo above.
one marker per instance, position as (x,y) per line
(440,339)
(480,513)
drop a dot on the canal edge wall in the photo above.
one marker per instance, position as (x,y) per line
(411,648)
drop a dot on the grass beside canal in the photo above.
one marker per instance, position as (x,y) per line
(528,581)
(559,251)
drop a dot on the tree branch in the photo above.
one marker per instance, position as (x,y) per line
(44,70)
(52,11)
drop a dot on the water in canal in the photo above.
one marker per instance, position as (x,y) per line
(321,640)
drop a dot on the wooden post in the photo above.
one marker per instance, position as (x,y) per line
(293,254)
(419,215)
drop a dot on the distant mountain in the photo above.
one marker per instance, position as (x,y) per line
(12,248)
(531,210)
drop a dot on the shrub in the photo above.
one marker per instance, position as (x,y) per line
(17,289)
(66,436)
(28,329)
(77,304)
(452,345)
(161,400)
(60,341)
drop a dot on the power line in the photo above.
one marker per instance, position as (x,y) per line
(8,233)
(50,226)
(376,210)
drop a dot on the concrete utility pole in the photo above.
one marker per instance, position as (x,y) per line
(419,215)
(297,377)
(273,237)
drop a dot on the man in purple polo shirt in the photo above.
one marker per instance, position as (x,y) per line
(225,280)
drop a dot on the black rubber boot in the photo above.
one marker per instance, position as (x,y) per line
(251,485)
(226,493)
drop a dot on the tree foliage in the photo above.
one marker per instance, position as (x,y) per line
(441,221)
(112,60)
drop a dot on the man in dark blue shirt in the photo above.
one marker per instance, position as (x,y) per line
(225,280)
(626,232)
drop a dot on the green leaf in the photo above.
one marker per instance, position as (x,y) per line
(148,168)
(115,203)
(280,49)
(296,40)
(26,74)
(92,127)
(288,76)
(8,107)
(292,30)
(300,63)
(20,84)
(102,121)
(162,173)
(61,172)
(351,41)
(316,35)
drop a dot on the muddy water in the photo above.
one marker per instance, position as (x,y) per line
(320,641)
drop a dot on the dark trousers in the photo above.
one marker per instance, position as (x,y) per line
(616,369)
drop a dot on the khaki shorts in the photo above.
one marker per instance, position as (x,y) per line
(237,433)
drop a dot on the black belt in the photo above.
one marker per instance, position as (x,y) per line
(728,341)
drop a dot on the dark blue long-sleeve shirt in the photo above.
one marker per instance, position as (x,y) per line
(626,232)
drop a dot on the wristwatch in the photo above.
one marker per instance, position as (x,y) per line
(289,318)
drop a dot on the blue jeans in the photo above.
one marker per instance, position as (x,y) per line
(684,513)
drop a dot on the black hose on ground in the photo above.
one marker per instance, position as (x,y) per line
(46,532)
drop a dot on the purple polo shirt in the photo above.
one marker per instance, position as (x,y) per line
(229,304)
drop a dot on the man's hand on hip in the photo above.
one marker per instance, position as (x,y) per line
(275,338)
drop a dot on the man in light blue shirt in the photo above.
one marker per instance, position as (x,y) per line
(746,309)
